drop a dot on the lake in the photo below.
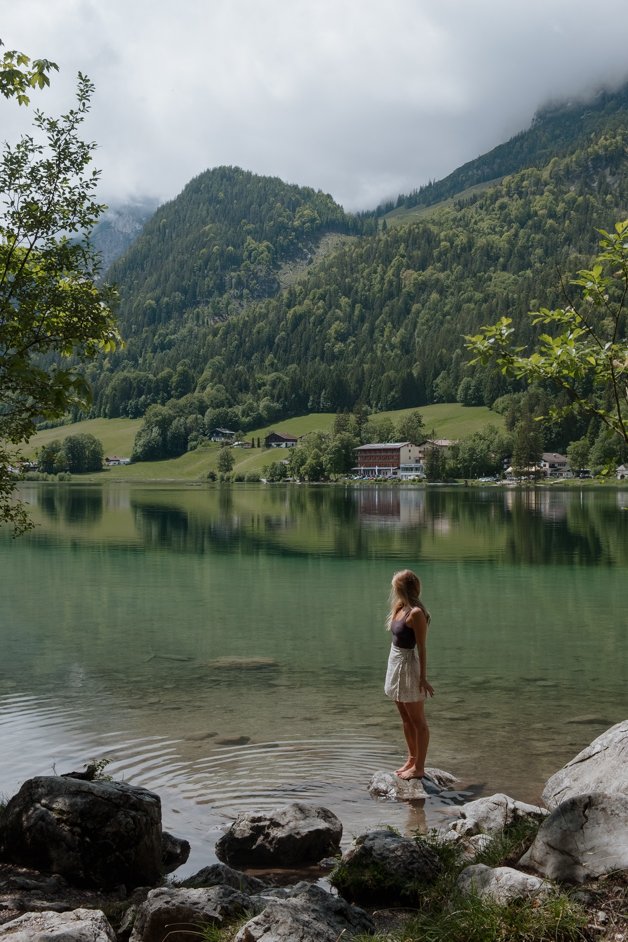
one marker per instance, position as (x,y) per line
(126,614)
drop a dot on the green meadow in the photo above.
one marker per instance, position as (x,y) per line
(444,420)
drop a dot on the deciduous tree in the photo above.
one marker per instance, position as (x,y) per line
(585,352)
(50,304)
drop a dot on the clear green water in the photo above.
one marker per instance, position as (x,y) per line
(114,611)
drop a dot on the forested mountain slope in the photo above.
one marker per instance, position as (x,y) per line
(555,131)
(379,321)
(382,321)
(219,244)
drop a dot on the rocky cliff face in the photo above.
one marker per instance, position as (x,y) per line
(119,227)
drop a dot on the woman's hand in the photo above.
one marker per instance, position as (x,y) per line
(426,687)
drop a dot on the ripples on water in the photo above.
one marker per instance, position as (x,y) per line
(201,795)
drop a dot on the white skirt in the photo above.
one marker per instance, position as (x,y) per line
(402,675)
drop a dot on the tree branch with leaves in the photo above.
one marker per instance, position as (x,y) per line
(584,352)
(53,313)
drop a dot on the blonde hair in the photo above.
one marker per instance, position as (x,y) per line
(405,593)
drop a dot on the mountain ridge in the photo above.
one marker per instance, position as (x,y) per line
(380,320)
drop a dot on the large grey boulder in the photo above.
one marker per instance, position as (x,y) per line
(309,914)
(292,835)
(385,867)
(493,815)
(500,884)
(79,925)
(92,833)
(179,914)
(583,838)
(601,767)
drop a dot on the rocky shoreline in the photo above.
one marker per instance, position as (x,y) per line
(85,860)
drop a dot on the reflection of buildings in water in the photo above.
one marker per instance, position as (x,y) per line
(622,500)
(551,505)
(394,506)
(117,498)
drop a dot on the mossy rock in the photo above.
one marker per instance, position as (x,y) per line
(384,867)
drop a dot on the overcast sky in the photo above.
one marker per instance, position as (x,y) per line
(363,99)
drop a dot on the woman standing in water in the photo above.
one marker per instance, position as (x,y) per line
(406,677)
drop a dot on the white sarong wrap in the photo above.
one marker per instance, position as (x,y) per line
(402,675)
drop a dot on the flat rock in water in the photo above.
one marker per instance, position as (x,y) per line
(387,785)
(242,663)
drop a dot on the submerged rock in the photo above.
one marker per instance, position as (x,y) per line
(242,663)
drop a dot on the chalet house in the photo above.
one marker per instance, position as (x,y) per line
(114,461)
(276,440)
(621,472)
(222,435)
(443,443)
(389,459)
(553,465)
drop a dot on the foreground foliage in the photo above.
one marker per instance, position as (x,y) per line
(441,914)
(50,304)
(585,352)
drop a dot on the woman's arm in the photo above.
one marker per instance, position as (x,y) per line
(418,623)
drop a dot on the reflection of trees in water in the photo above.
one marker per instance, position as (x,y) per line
(565,526)
(161,525)
(71,504)
(526,525)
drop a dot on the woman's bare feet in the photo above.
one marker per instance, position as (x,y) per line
(408,764)
(410,773)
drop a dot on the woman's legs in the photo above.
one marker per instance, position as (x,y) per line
(409,735)
(419,737)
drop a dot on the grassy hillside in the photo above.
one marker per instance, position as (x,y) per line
(116,435)
(445,420)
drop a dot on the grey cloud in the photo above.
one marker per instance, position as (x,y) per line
(356,97)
